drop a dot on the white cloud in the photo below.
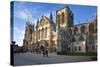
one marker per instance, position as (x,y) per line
(47,15)
(35,22)
(24,14)
(17,30)
(18,35)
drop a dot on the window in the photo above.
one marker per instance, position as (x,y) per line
(71,20)
(43,33)
(79,48)
(87,47)
(75,30)
(93,47)
(39,34)
(46,32)
(58,19)
(75,48)
(69,48)
(63,18)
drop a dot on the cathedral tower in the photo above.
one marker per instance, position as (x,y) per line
(64,18)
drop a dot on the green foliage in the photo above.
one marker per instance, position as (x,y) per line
(78,54)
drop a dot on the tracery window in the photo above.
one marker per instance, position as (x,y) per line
(46,32)
(63,18)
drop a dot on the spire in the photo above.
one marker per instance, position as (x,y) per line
(51,18)
(66,6)
(27,23)
(37,22)
(33,27)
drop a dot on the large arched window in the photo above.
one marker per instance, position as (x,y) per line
(58,18)
(39,34)
(63,18)
(95,27)
(30,31)
(46,32)
(79,48)
(43,32)
(75,48)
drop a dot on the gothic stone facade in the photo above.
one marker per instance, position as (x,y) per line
(75,38)
(62,35)
(44,33)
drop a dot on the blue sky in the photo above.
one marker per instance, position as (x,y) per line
(31,11)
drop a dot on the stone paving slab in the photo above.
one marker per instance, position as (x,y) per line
(34,59)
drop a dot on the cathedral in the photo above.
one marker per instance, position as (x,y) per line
(62,35)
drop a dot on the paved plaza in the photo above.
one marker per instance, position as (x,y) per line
(34,59)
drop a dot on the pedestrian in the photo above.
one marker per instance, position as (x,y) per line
(43,50)
(37,51)
(46,52)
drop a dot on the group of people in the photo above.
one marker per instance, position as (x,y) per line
(43,50)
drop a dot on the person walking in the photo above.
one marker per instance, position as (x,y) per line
(46,52)
(37,51)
